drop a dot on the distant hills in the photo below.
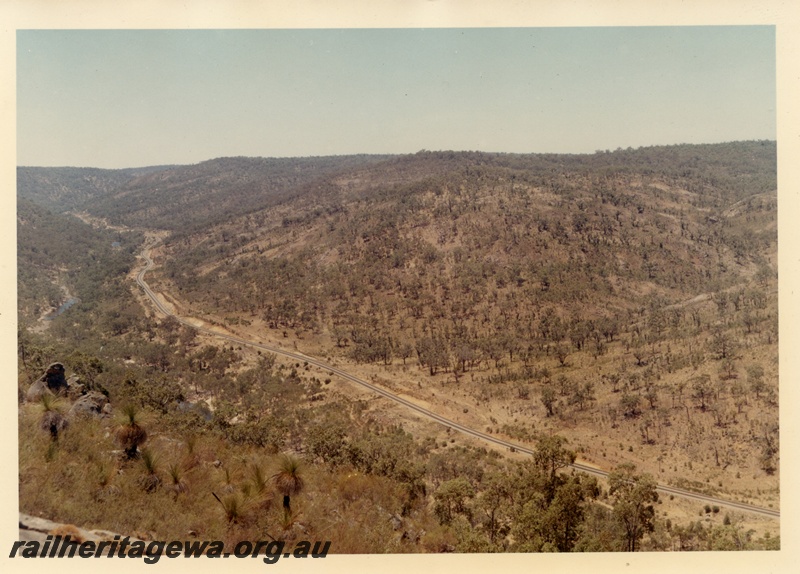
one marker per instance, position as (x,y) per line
(181,197)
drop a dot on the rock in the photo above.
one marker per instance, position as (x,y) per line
(74,533)
(103,534)
(76,391)
(75,388)
(28,522)
(53,381)
(36,390)
(396,521)
(34,528)
(146,535)
(90,404)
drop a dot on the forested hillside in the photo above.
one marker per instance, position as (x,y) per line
(618,295)
(64,188)
(59,254)
(188,198)
(618,307)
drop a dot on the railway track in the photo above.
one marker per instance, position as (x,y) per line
(514,447)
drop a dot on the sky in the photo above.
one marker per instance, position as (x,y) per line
(130,98)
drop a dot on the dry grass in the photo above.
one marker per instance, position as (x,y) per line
(167,493)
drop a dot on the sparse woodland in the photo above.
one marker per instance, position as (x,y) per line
(619,307)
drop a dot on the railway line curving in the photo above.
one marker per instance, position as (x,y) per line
(420,410)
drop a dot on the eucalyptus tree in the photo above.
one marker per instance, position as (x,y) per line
(634,496)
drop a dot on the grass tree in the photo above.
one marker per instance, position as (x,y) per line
(178,483)
(262,496)
(130,434)
(288,480)
(52,421)
(233,506)
(150,481)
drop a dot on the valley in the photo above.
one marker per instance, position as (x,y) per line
(414,406)
(625,301)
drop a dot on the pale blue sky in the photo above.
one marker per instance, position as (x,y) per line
(128,98)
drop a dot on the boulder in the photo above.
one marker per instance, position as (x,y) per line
(53,381)
(36,390)
(35,528)
(75,388)
(90,404)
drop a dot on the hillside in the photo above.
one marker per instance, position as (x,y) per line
(188,198)
(625,301)
(59,255)
(64,188)
(630,296)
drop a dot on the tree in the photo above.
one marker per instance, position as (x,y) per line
(609,328)
(644,428)
(755,377)
(550,457)
(187,336)
(494,494)
(728,370)
(451,499)
(578,333)
(492,348)
(629,403)
(405,351)
(327,441)
(288,480)
(651,394)
(561,521)
(769,448)
(582,394)
(549,505)
(548,400)
(151,481)
(432,352)
(634,496)
(701,389)
(639,352)
(562,352)
(170,329)
(722,344)
(87,367)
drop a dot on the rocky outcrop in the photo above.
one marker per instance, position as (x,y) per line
(55,378)
(53,381)
(36,390)
(90,404)
(75,388)
(34,528)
